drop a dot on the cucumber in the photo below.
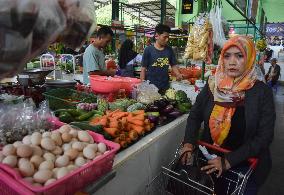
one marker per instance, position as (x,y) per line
(85,117)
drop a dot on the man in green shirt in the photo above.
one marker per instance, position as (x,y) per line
(94,58)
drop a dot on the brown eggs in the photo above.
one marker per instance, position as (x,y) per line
(9,150)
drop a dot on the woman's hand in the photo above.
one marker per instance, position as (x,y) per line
(186,151)
(216,165)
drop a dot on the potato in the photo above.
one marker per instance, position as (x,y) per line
(62,161)
(42,176)
(50,181)
(57,151)
(36,138)
(48,144)
(64,129)
(24,151)
(49,156)
(9,150)
(56,137)
(72,153)
(10,160)
(37,150)
(66,137)
(84,136)
(80,161)
(27,140)
(36,160)
(46,165)
(62,172)
(78,146)
(89,153)
(26,168)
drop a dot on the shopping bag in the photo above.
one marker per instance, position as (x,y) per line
(181,177)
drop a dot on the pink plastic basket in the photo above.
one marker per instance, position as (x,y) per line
(11,183)
(103,84)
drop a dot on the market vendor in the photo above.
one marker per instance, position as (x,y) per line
(238,112)
(157,58)
(94,58)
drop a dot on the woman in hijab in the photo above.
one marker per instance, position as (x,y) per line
(128,58)
(238,112)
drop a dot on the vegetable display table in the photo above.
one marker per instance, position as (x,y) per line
(137,165)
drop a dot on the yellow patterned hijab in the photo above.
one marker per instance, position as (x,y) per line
(227,91)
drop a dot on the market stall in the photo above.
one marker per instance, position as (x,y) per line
(137,166)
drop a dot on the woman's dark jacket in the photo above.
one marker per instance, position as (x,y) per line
(260,118)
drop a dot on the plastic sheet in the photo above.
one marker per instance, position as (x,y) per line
(19,120)
(147,93)
(17,21)
(81,21)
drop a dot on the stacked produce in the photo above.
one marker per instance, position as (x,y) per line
(123,127)
(169,108)
(42,159)
(71,115)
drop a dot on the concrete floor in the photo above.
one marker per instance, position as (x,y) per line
(274,184)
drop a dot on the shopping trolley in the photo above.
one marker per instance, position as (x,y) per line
(233,181)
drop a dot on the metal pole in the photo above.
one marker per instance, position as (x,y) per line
(203,71)
(163,11)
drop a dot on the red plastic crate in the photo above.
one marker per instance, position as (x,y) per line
(11,183)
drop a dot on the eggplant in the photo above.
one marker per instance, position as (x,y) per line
(162,120)
(175,114)
(152,108)
(168,109)
(161,104)
(153,119)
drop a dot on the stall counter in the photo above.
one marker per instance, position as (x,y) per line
(137,165)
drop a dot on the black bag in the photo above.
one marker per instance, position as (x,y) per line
(179,180)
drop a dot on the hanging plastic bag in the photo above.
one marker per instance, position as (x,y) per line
(50,23)
(215,17)
(17,20)
(81,22)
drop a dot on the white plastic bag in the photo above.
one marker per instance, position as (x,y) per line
(147,93)
(215,17)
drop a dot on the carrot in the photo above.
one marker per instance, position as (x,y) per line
(147,121)
(123,144)
(108,112)
(139,129)
(139,117)
(95,120)
(133,135)
(148,127)
(128,140)
(103,122)
(112,131)
(123,121)
(119,115)
(137,122)
(128,127)
(139,112)
(113,112)
(115,124)
(122,137)
(117,140)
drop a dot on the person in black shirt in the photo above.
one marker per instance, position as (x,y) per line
(273,73)
(158,58)
(238,112)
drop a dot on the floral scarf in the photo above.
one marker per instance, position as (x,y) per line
(228,92)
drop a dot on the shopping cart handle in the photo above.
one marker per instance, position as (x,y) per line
(253,161)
